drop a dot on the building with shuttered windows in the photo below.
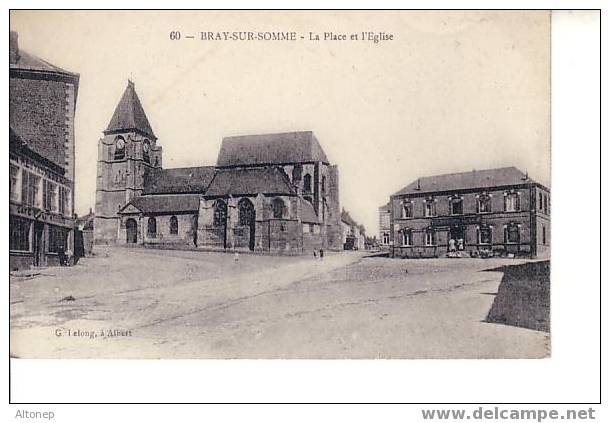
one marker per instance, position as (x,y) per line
(499,212)
(42,103)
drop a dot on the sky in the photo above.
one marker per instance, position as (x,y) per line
(450,92)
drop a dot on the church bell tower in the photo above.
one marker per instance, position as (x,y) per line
(126,152)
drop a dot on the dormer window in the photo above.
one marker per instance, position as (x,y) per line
(146,151)
(307,183)
(119,148)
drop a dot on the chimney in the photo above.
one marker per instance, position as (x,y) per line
(13,47)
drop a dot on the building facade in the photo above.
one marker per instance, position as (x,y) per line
(42,102)
(500,212)
(385,225)
(273,193)
(353,237)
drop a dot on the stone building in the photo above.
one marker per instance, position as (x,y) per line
(42,104)
(385,226)
(267,193)
(353,237)
(480,213)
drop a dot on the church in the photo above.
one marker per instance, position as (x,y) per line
(267,193)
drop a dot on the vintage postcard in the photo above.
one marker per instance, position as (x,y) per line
(280,184)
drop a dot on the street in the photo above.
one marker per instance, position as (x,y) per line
(142,303)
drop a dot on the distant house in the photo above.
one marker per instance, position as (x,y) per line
(385,225)
(84,230)
(353,235)
(481,212)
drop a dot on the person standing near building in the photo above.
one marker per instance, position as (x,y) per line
(452,245)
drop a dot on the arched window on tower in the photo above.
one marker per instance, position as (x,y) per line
(119,148)
(173,225)
(307,183)
(323,184)
(146,151)
(278,208)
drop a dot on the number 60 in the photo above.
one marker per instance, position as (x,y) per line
(174,35)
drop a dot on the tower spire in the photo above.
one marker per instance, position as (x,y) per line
(129,114)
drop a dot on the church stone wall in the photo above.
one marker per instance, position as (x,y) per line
(185,235)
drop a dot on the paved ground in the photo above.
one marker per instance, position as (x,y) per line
(135,303)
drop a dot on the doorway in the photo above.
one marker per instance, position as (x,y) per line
(458,235)
(38,244)
(132,231)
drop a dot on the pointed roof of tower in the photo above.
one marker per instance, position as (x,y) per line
(129,114)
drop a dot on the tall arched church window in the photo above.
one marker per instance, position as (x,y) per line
(323,184)
(307,183)
(220,213)
(173,225)
(119,148)
(246,212)
(146,151)
(278,208)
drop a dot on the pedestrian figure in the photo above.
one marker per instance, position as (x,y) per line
(236,256)
(321,254)
(452,245)
(61,254)
(315,255)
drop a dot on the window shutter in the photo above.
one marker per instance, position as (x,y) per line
(45,194)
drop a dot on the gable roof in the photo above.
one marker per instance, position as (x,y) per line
(27,61)
(289,147)
(308,215)
(385,207)
(129,114)
(271,180)
(487,178)
(164,204)
(347,219)
(178,180)
(86,221)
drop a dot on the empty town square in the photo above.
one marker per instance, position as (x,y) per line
(147,303)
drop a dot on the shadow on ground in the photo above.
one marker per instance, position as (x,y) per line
(523,297)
